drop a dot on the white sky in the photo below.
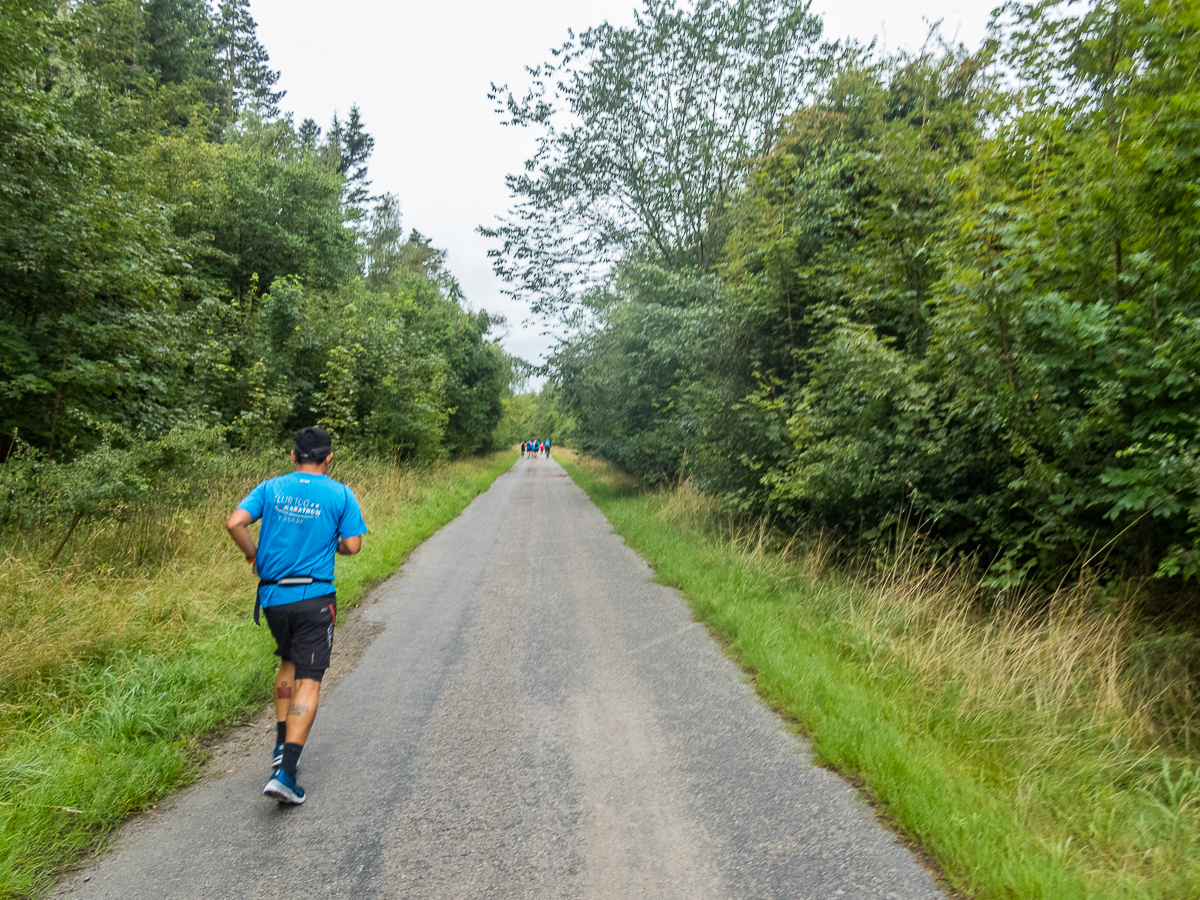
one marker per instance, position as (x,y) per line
(420,74)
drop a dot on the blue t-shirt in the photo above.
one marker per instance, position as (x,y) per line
(303,517)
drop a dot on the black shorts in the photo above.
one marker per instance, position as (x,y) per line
(304,633)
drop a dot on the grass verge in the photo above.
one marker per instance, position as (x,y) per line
(117,664)
(1019,747)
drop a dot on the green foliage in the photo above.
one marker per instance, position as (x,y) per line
(353,147)
(641,132)
(1073,289)
(535,416)
(621,378)
(175,254)
(958,293)
(181,39)
(125,471)
(245,76)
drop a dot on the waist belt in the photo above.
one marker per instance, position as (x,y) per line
(285,581)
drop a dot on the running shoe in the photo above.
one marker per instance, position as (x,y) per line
(283,788)
(277,757)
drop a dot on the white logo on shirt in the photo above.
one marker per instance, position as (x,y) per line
(297,510)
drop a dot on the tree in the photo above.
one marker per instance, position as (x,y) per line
(1070,316)
(182,41)
(642,134)
(86,256)
(352,147)
(309,133)
(263,206)
(625,379)
(383,243)
(243,60)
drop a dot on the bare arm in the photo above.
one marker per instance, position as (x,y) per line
(236,525)
(348,546)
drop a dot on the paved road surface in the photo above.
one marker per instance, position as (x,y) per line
(535,720)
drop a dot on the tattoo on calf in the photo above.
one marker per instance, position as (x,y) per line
(299,709)
(283,691)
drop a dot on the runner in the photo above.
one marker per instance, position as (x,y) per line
(306,516)
(547,449)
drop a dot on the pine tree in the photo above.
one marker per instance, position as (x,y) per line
(309,133)
(247,78)
(354,147)
(384,243)
(182,40)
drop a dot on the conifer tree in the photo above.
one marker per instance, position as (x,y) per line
(383,243)
(309,133)
(354,147)
(247,78)
(182,40)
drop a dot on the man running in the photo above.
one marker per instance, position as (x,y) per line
(306,516)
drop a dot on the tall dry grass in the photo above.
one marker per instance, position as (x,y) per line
(604,471)
(1064,660)
(142,579)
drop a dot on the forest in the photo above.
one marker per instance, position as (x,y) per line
(186,271)
(951,290)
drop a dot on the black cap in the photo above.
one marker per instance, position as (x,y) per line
(313,445)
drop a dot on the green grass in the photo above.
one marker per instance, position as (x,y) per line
(138,663)
(991,741)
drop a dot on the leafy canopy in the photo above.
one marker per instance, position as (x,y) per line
(641,133)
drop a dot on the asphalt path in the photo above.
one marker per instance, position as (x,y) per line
(535,718)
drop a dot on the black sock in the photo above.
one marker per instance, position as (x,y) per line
(291,757)
(280,732)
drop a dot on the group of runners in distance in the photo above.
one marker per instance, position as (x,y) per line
(533,449)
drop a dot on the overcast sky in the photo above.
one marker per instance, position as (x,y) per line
(420,74)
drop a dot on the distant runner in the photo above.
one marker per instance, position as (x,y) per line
(547,449)
(306,516)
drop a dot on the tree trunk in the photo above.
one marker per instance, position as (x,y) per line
(58,394)
(66,537)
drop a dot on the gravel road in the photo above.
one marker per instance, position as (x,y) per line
(534,718)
